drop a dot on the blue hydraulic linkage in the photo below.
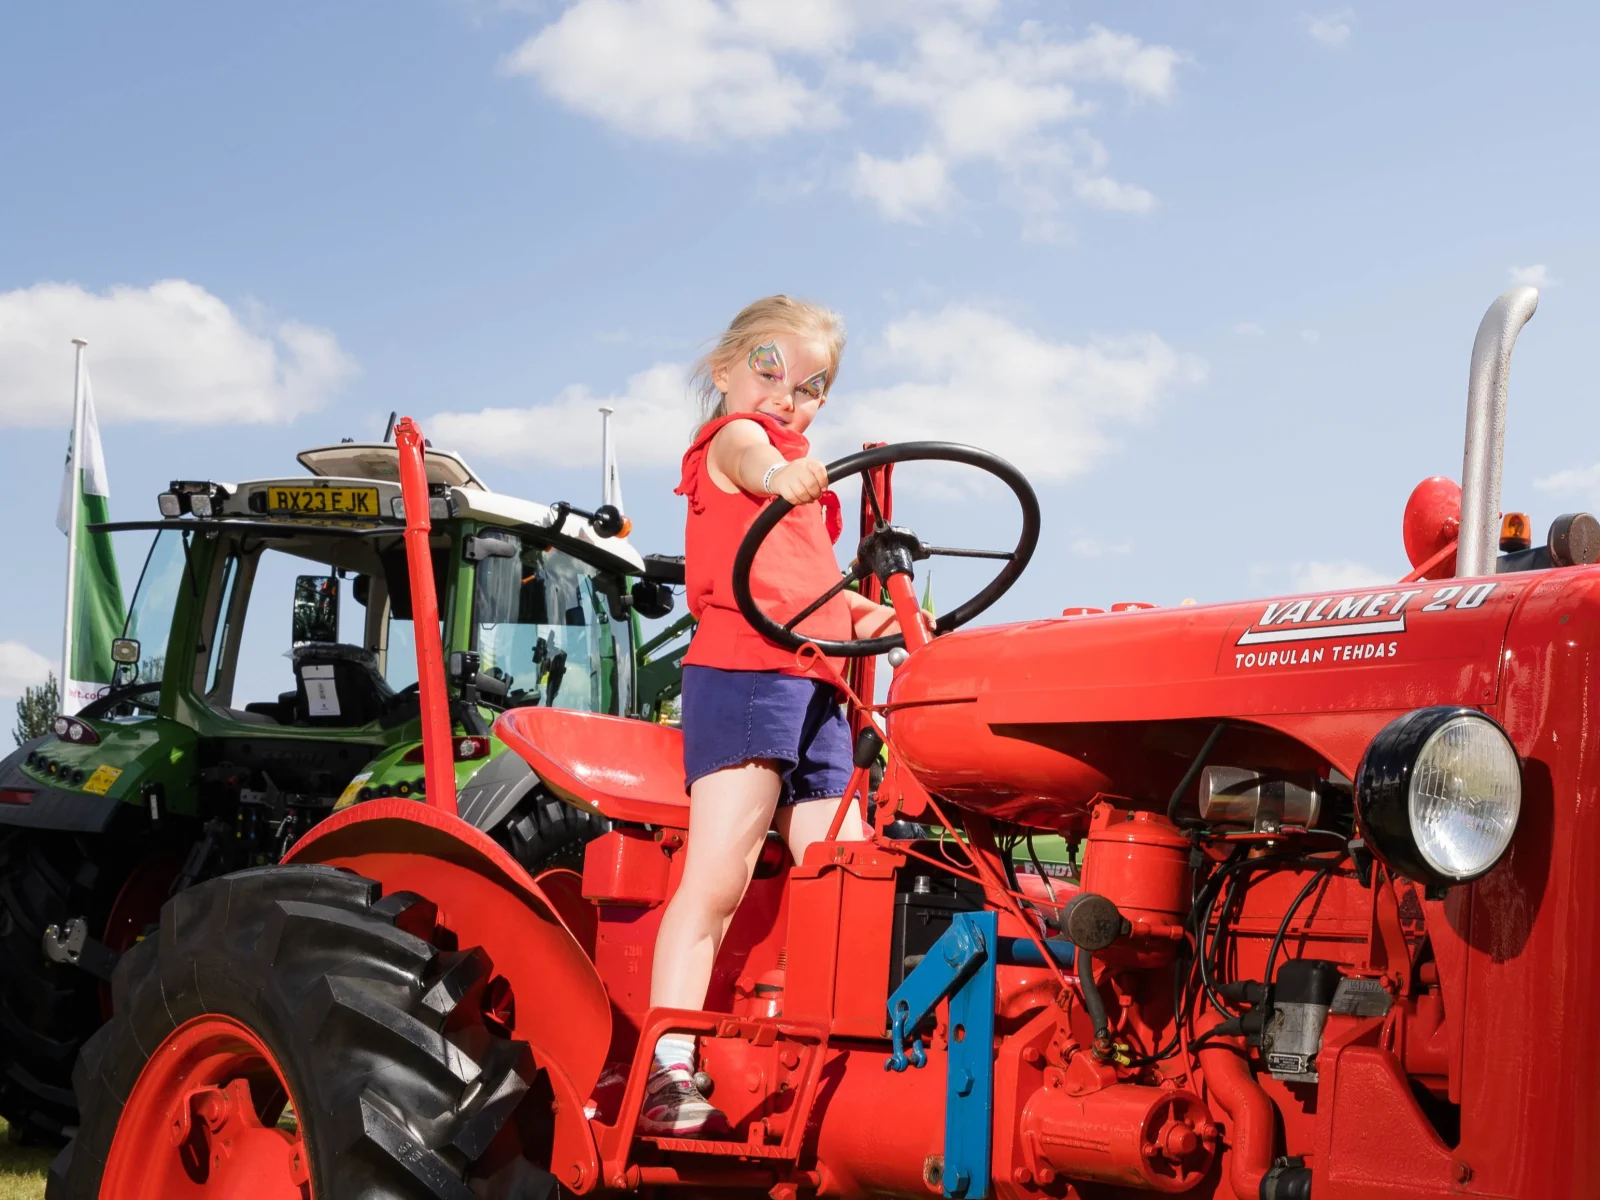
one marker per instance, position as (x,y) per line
(960,967)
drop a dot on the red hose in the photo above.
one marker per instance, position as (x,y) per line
(1254,1128)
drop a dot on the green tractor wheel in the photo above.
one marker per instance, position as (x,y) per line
(48,1008)
(292,1032)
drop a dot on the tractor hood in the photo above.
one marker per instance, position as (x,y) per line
(1036,720)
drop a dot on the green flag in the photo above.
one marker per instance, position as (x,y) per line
(927,595)
(94,592)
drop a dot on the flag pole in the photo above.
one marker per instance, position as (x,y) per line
(605,453)
(75,466)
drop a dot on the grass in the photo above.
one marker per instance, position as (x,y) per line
(22,1169)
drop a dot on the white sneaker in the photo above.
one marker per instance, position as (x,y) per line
(674,1107)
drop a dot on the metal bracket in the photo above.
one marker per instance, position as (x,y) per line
(71,945)
(961,968)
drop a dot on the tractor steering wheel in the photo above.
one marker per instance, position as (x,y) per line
(889,550)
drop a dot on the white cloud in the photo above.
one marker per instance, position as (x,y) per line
(168,352)
(1583,482)
(1336,576)
(1249,329)
(1537,275)
(967,375)
(21,667)
(717,72)
(652,423)
(687,70)
(970,375)
(1331,29)
(906,189)
(1013,104)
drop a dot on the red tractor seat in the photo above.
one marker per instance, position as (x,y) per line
(626,769)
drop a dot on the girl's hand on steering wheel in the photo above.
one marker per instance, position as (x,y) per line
(800,482)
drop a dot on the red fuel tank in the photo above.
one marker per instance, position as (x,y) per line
(1036,721)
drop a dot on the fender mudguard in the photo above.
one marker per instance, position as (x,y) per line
(494,790)
(487,899)
(50,808)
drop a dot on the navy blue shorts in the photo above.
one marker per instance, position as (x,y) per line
(733,717)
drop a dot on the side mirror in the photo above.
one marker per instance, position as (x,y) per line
(361,589)
(316,609)
(651,599)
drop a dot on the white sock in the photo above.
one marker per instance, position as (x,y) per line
(674,1050)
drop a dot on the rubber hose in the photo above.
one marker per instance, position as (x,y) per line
(1093,1001)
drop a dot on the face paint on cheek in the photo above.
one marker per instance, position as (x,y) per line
(817,384)
(767,359)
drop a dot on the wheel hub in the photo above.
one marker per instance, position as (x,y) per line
(210,1099)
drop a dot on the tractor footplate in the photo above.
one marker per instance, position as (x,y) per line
(777,1139)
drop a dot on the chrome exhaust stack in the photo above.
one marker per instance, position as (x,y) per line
(1479,544)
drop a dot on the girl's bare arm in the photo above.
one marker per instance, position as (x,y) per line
(742,455)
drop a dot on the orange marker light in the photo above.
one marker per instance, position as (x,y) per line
(1516,532)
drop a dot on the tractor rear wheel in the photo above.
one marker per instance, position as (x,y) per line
(291,1032)
(544,832)
(47,1009)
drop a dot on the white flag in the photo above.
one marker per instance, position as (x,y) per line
(95,482)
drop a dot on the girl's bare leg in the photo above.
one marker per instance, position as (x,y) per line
(802,824)
(729,814)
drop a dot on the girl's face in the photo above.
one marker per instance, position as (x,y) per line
(784,376)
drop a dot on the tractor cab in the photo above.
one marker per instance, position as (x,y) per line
(270,638)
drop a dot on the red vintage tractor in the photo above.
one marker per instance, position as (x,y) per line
(1327,939)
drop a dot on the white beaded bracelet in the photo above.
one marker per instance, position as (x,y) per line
(766,480)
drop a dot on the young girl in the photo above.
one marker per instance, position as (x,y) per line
(760,734)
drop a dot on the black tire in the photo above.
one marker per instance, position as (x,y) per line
(47,1009)
(406,1089)
(544,832)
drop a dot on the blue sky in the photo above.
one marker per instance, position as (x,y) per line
(1210,273)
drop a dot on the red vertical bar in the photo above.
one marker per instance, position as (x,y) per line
(439,770)
(862,673)
(904,598)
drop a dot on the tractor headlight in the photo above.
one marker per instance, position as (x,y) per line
(1438,794)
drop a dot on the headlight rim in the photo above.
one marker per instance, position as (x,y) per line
(1383,786)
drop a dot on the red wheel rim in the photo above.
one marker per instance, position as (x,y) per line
(204,1121)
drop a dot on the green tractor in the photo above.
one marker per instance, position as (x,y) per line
(222,741)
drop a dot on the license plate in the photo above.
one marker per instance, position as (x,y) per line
(324,501)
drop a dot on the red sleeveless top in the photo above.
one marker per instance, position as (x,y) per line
(794,566)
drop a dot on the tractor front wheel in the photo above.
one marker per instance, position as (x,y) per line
(292,1033)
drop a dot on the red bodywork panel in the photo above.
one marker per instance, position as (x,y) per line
(1033,722)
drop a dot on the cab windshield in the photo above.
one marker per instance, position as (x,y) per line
(554,629)
(154,602)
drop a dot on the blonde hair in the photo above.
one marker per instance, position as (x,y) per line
(754,324)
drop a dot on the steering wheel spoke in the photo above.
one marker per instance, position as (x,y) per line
(854,573)
(890,551)
(959,552)
(872,497)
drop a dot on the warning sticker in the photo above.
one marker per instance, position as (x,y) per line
(351,791)
(100,782)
